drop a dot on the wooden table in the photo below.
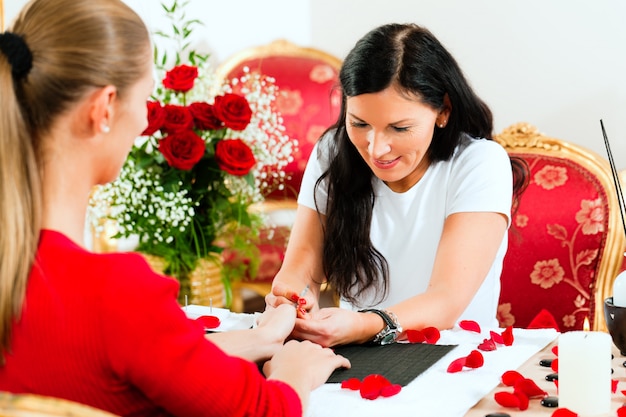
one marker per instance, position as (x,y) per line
(531,369)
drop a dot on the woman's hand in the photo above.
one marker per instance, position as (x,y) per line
(277,323)
(305,301)
(262,342)
(304,366)
(337,326)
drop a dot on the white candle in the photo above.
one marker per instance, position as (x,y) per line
(585,372)
(619,290)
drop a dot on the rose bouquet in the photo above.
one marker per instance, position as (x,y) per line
(211,149)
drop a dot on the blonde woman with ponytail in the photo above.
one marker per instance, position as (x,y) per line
(74,79)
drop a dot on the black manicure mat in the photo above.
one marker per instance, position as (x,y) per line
(400,363)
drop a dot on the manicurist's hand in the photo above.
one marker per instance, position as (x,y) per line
(284,294)
(335,326)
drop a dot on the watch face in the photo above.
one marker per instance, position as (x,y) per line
(389,338)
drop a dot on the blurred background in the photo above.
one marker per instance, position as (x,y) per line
(557,64)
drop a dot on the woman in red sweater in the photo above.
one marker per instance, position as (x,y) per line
(103,329)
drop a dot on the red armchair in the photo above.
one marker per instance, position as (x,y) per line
(309,104)
(566,241)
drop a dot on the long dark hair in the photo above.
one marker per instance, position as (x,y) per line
(412,59)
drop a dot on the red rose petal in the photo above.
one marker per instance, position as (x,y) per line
(523,400)
(474,360)
(390,390)
(543,320)
(431,334)
(372,385)
(496,337)
(614,385)
(209,322)
(351,383)
(507,336)
(555,365)
(487,345)
(507,399)
(470,325)
(564,412)
(509,378)
(621,412)
(456,365)
(369,392)
(529,388)
(415,336)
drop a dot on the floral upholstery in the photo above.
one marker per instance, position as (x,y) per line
(565,247)
(309,103)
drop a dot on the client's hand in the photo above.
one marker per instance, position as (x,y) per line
(262,342)
(303,365)
(277,323)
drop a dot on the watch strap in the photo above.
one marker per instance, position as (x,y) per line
(392,326)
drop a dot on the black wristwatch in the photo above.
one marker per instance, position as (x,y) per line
(390,333)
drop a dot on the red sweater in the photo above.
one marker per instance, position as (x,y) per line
(104,330)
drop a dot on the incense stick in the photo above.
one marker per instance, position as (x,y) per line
(616,181)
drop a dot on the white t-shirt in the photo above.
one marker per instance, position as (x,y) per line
(406,227)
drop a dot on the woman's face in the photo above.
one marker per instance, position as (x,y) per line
(131,119)
(392,133)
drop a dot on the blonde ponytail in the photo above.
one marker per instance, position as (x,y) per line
(20,206)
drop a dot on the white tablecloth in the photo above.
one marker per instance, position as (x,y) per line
(437,392)
(228,319)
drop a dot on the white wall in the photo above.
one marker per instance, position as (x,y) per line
(232,25)
(558,64)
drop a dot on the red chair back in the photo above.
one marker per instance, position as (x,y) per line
(566,241)
(307,98)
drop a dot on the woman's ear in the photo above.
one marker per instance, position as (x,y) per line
(444,113)
(101,109)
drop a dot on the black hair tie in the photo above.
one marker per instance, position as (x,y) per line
(18,54)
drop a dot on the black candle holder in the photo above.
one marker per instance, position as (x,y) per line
(615,318)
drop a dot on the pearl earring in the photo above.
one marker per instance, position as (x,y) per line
(105,128)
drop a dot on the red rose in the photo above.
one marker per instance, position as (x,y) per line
(183,149)
(156,117)
(234,156)
(177,118)
(204,117)
(180,78)
(233,110)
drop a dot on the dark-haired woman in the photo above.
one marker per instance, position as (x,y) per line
(406,200)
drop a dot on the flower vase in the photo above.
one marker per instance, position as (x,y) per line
(203,286)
